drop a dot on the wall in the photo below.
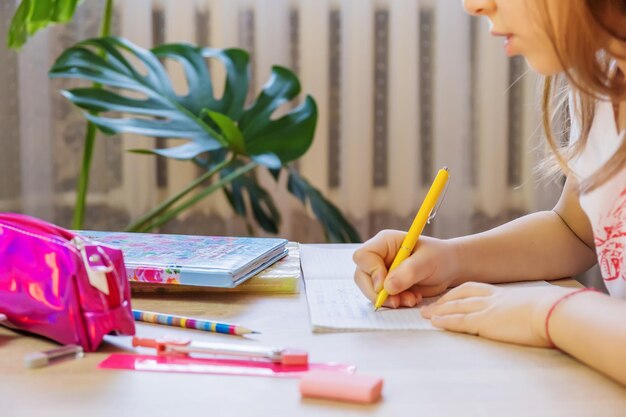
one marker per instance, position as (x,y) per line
(403,87)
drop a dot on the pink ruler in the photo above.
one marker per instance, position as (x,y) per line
(154,363)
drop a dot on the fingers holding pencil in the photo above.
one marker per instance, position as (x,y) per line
(426,212)
(372,260)
(428,272)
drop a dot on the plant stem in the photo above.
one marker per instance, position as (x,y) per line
(150,215)
(83,180)
(78,217)
(105,29)
(222,182)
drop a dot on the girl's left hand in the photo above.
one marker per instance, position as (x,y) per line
(514,315)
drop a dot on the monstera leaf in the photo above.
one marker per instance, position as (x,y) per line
(263,207)
(152,107)
(33,15)
(135,95)
(336,227)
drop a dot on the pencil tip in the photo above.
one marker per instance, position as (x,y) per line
(255,332)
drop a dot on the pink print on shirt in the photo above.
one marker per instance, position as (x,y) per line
(610,240)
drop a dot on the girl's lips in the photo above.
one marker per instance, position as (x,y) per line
(507,41)
(494,33)
(508,45)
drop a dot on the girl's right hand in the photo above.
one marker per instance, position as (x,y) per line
(429,270)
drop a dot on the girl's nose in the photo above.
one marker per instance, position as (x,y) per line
(479,7)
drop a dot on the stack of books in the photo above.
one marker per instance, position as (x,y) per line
(283,277)
(160,263)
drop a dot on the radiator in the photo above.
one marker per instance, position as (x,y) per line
(403,87)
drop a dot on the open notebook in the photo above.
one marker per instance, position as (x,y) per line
(337,304)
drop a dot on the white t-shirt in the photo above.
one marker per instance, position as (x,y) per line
(606,205)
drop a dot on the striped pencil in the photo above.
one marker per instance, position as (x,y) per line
(189,323)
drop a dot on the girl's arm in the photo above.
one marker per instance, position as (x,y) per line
(544,245)
(589,326)
(592,328)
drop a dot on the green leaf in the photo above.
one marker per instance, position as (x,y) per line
(182,152)
(64,10)
(158,112)
(291,135)
(263,208)
(137,97)
(336,227)
(269,160)
(101,100)
(201,94)
(288,137)
(34,15)
(18,31)
(198,115)
(281,87)
(229,130)
(42,11)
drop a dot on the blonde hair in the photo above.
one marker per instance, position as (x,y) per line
(589,73)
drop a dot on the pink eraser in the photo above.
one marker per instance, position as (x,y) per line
(341,386)
(294,357)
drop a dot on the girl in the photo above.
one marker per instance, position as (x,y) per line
(584,43)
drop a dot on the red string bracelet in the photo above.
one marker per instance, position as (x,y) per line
(556,303)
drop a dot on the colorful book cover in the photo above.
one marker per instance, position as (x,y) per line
(283,277)
(214,261)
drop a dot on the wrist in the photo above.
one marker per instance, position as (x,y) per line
(455,262)
(546,328)
(542,307)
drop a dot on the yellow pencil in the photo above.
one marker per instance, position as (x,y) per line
(421,218)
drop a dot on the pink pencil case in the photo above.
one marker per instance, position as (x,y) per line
(61,286)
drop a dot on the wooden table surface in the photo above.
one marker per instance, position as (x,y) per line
(426,373)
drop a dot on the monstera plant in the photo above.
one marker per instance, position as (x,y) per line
(228,138)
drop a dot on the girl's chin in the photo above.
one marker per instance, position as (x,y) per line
(544,67)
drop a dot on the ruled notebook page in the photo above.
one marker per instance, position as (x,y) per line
(337,304)
(327,261)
